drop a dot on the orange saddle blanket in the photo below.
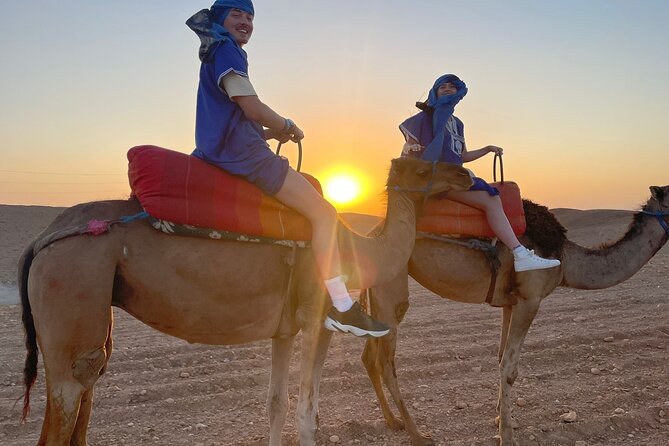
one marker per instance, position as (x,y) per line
(443,216)
(185,190)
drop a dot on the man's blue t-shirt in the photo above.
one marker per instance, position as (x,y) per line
(220,123)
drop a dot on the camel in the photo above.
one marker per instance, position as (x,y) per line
(200,290)
(462,274)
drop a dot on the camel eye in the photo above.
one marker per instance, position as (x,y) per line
(422,173)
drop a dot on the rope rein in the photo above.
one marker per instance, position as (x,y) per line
(659,215)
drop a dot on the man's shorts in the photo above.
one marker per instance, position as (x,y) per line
(251,158)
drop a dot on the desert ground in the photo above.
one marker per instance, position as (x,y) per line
(600,354)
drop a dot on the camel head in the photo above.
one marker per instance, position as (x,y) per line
(425,178)
(659,198)
(658,205)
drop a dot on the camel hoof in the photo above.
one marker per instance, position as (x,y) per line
(500,442)
(422,440)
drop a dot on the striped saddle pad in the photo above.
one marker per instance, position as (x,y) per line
(182,189)
(442,216)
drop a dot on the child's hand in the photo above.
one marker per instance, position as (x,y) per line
(411,149)
(494,149)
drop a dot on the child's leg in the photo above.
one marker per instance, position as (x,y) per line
(492,206)
(524,259)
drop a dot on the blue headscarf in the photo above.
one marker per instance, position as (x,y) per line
(208,25)
(443,108)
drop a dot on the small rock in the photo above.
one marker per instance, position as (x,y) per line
(580,319)
(580,443)
(521,402)
(131,424)
(200,426)
(532,437)
(609,339)
(460,405)
(619,411)
(662,413)
(184,375)
(334,439)
(415,405)
(477,369)
(569,417)
(595,371)
(170,400)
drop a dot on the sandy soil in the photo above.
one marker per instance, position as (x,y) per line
(602,354)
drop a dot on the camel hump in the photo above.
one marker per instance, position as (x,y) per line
(182,189)
(443,216)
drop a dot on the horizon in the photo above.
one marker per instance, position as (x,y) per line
(574,92)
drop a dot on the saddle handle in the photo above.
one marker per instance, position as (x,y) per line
(494,168)
(299,153)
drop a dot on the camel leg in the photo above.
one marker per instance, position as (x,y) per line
(315,342)
(506,320)
(69,398)
(81,427)
(277,400)
(373,365)
(386,364)
(521,319)
(72,320)
(389,303)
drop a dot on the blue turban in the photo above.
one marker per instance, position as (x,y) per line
(208,25)
(244,5)
(443,109)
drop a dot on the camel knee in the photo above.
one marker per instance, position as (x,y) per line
(88,367)
(278,404)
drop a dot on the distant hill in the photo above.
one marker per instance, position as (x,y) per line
(20,224)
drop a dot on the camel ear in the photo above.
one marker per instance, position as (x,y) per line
(657,193)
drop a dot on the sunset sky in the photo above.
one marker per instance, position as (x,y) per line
(576,91)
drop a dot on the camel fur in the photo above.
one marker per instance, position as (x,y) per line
(461,274)
(205,291)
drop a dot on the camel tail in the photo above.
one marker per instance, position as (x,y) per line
(30,367)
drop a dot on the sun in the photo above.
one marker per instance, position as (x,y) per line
(342,188)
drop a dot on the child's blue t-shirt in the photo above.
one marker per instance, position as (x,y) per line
(219,121)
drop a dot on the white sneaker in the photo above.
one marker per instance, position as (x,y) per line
(527,260)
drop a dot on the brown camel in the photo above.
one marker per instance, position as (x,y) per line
(462,274)
(200,290)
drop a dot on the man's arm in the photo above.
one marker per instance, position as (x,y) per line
(240,90)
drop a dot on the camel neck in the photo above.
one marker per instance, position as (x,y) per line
(609,265)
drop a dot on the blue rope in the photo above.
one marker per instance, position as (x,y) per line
(129,218)
(659,215)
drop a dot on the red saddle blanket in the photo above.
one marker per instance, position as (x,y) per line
(442,216)
(184,189)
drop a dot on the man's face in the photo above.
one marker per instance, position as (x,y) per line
(240,25)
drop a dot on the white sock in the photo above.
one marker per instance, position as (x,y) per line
(339,294)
